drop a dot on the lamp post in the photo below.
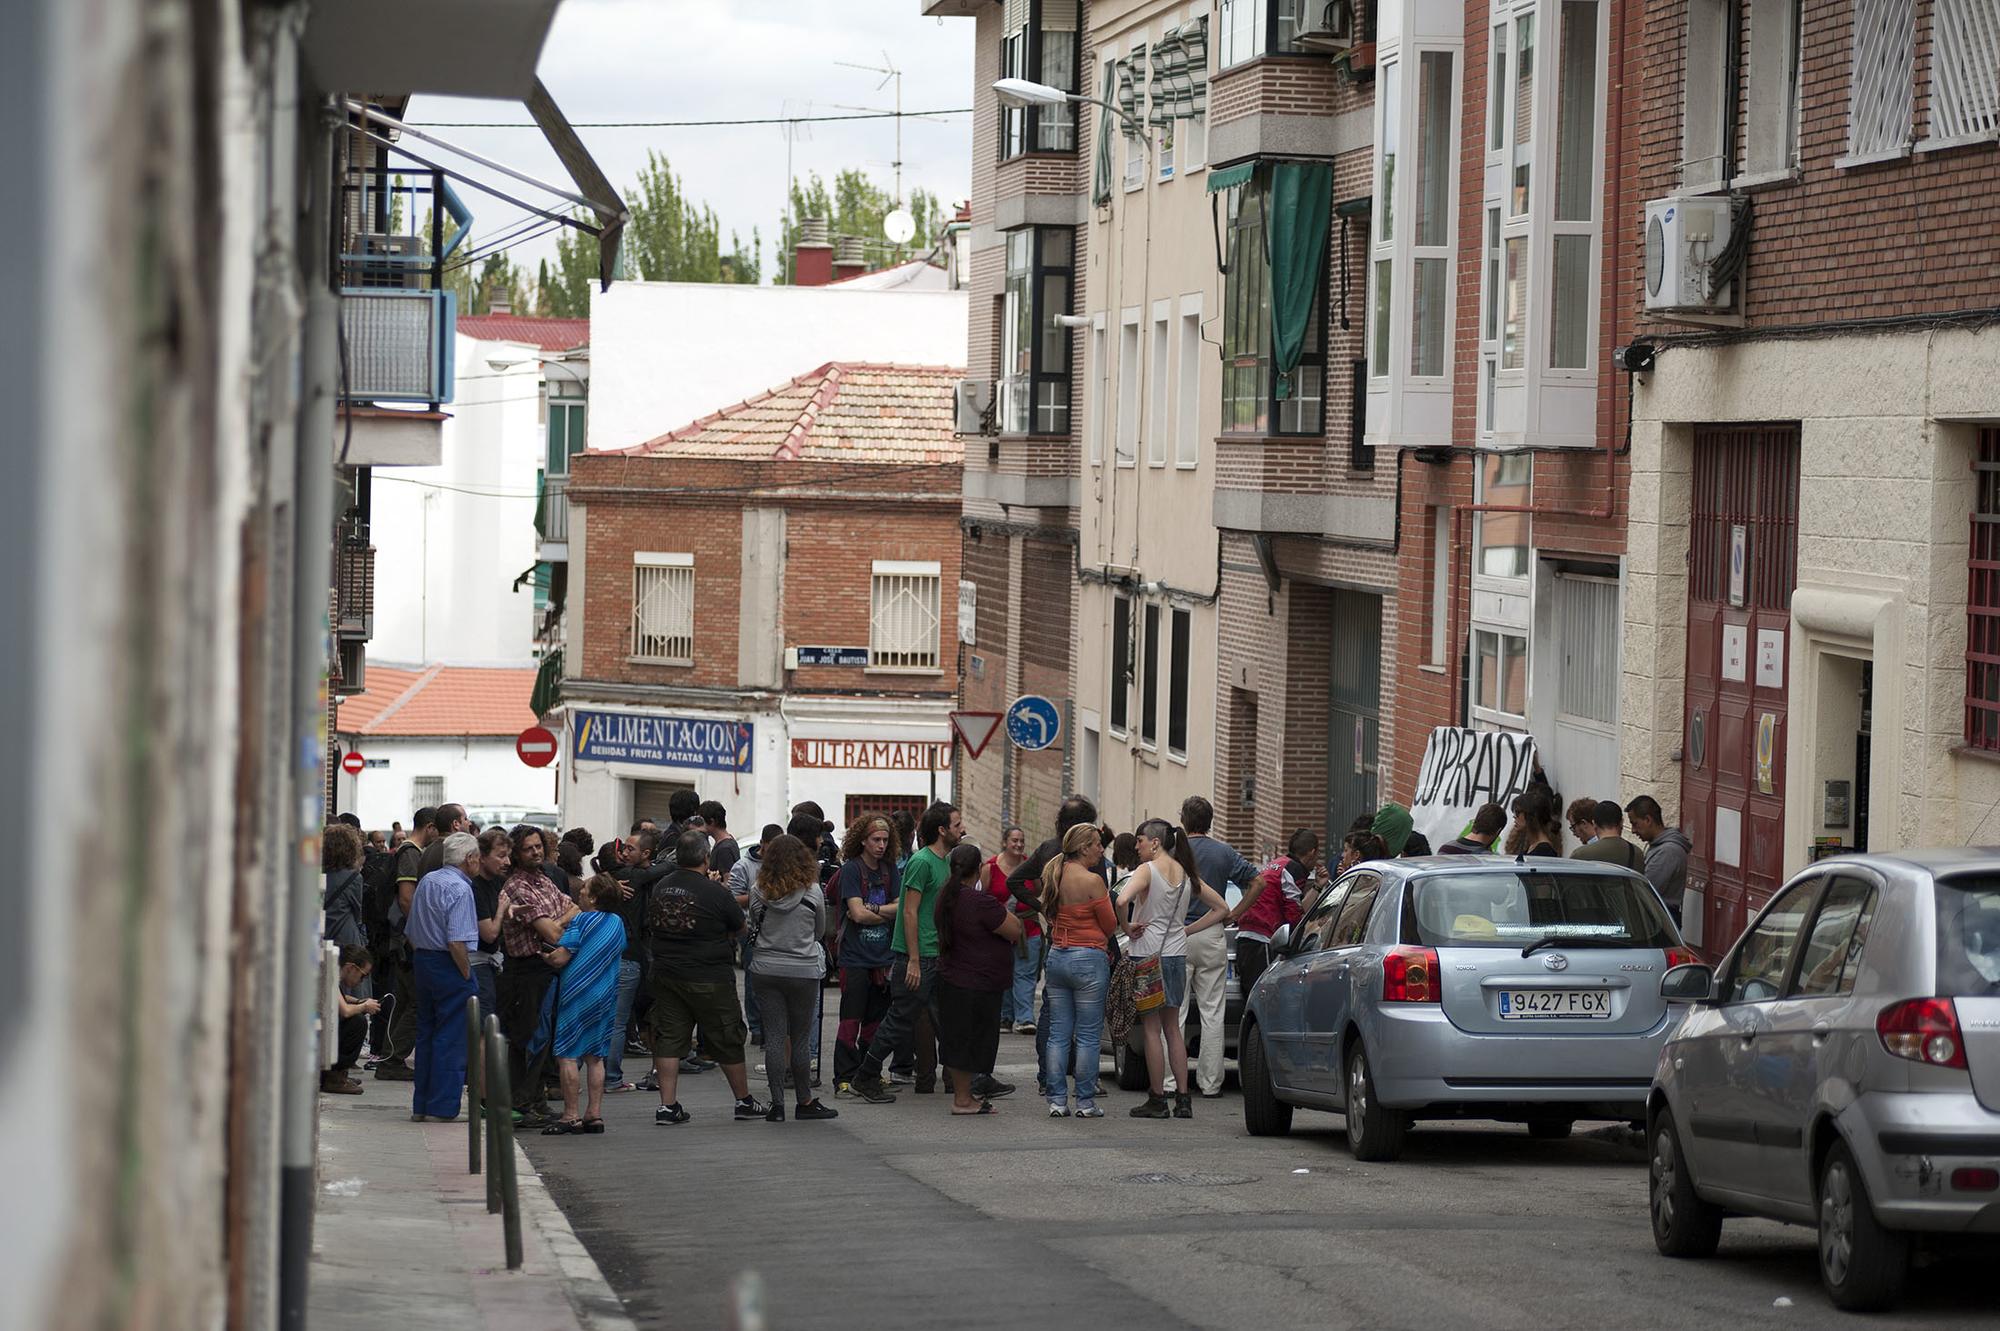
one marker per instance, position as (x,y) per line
(1026,93)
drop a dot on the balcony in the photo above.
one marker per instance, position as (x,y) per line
(353,584)
(552,518)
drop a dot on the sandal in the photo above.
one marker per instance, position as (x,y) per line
(593,1126)
(562,1127)
(985,1107)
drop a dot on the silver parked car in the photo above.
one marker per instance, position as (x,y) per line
(1841,1068)
(1524,989)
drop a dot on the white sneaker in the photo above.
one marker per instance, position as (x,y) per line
(1058,1111)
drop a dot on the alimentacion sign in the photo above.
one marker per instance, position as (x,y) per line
(663,741)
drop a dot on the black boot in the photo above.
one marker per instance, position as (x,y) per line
(1183,1106)
(1155,1107)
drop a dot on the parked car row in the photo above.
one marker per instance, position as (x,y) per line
(1840,1068)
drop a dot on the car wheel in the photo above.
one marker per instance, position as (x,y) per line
(1550,1129)
(1862,1265)
(1683,1224)
(1264,1114)
(1374,1131)
(1130,1064)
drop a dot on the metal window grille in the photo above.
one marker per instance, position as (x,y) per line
(1982,602)
(1878,102)
(1588,630)
(426,792)
(663,608)
(903,623)
(1965,69)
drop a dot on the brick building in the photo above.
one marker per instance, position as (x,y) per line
(755,604)
(1817,437)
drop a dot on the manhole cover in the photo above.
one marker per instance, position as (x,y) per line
(1194,1180)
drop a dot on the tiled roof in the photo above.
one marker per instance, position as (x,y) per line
(548,334)
(841,412)
(441,700)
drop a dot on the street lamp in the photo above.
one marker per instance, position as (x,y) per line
(1027,93)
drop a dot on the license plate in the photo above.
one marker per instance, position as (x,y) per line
(1530,1004)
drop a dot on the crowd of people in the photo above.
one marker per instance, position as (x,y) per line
(589,952)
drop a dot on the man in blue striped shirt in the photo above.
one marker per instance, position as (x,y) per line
(443,928)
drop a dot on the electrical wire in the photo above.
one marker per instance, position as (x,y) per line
(648,492)
(687,124)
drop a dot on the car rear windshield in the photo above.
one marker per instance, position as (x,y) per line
(1514,909)
(1968,930)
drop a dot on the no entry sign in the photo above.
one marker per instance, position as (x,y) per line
(536,746)
(352,762)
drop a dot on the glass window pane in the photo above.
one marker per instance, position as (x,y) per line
(1485,668)
(1576,113)
(1513,675)
(1300,413)
(1514,331)
(1496,134)
(1392,130)
(1523,109)
(1838,932)
(1434,143)
(1055,246)
(1429,284)
(1056,125)
(1378,357)
(1055,338)
(1761,960)
(1492,274)
(1569,316)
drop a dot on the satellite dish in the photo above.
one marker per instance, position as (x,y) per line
(899,226)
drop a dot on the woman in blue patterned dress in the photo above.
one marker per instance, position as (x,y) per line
(587,1002)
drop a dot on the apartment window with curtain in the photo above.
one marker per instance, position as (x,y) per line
(1180,649)
(1149,678)
(1034,349)
(663,608)
(1256,397)
(1120,673)
(1252,28)
(1039,42)
(903,615)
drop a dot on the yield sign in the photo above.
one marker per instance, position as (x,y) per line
(975,729)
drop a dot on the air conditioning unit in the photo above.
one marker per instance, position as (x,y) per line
(975,406)
(389,261)
(1332,28)
(1690,264)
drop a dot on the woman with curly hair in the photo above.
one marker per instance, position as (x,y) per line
(340,860)
(788,915)
(868,889)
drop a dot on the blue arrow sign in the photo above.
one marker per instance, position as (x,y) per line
(1033,722)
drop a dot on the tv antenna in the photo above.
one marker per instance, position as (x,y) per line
(890,74)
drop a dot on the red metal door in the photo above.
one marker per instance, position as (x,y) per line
(1742,569)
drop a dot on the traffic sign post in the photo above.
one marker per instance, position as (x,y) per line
(1033,722)
(352,762)
(975,730)
(536,746)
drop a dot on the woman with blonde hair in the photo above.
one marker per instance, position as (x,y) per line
(1080,923)
(788,916)
(1155,903)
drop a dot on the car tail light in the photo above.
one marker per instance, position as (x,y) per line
(1975,1180)
(1682,956)
(1410,975)
(1923,1030)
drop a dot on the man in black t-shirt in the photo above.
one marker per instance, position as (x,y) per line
(691,927)
(396,1037)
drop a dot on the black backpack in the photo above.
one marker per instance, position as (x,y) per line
(378,891)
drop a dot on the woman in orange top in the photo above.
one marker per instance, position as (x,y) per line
(1078,907)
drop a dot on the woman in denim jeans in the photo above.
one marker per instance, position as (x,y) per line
(1081,920)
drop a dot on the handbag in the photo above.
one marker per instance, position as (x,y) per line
(1149,985)
(1119,1014)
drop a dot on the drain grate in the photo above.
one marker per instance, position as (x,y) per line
(1194,1180)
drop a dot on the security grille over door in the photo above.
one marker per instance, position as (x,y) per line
(663,607)
(1587,631)
(903,623)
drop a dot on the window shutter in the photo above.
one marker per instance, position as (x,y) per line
(1878,107)
(1965,69)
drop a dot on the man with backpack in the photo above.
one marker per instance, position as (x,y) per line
(394,958)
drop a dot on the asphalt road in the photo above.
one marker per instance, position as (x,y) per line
(900,1216)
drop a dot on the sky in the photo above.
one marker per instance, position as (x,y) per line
(652,60)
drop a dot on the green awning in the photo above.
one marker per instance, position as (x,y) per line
(547,695)
(1301,197)
(1221,178)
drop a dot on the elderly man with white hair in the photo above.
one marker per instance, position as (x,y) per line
(443,928)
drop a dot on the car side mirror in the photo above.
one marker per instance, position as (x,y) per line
(1282,939)
(1692,983)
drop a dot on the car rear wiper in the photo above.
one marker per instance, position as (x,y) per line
(1571,940)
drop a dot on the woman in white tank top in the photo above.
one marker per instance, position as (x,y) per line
(1154,903)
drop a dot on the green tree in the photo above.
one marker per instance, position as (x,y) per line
(855,206)
(671,238)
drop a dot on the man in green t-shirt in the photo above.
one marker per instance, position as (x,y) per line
(913,971)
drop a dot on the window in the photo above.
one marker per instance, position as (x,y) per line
(426,792)
(1094,369)
(1159,424)
(1500,540)
(1352,925)
(1576,179)
(1149,679)
(1250,388)
(663,608)
(1430,278)
(1514,316)
(1180,96)
(903,615)
(1705,151)
(1982,602)
(1965,70)
(1121,664)
(565,426)
(1879,91)
(1500,676)
(1034,348)
(1180,646)
(1587,625)
(1132,101)
(1039,42)
(1758,973)
(1440,532)
(1312,930)
(1128,390)
(1187,432)
(1772,132)
(1496,107)
(1252,28)
(1833,947)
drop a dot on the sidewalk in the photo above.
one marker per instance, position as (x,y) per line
(402,1235)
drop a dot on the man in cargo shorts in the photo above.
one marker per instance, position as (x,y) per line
(691,926)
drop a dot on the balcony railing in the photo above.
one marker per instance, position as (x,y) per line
(398,319)
(353,585)
(552,510)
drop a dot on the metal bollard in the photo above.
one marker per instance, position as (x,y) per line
(502,1153)
(496,1102)
(475,1067)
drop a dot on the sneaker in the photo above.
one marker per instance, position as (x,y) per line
(775,1114)
(672,1113)
(1024,1028)
(339,1085)
(813,1109)
(1006,1028)
(1183,1106)
(1089,1111)
(650,1082)
(1154,1107)
(692,1065)
(991,1088)
(637,1049)
(871,1090)
(617,1087)
(1058,1111)
(895,1078)
(748,1108)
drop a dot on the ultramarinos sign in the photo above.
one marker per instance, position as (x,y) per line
(663,741)
(872,755)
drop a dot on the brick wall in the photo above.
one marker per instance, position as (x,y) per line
(1285,85)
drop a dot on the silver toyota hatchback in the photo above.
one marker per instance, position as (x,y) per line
(1456,986)
(1841,1068)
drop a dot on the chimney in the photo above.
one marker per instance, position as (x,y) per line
(812,257)
(850,259)
(497,301)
